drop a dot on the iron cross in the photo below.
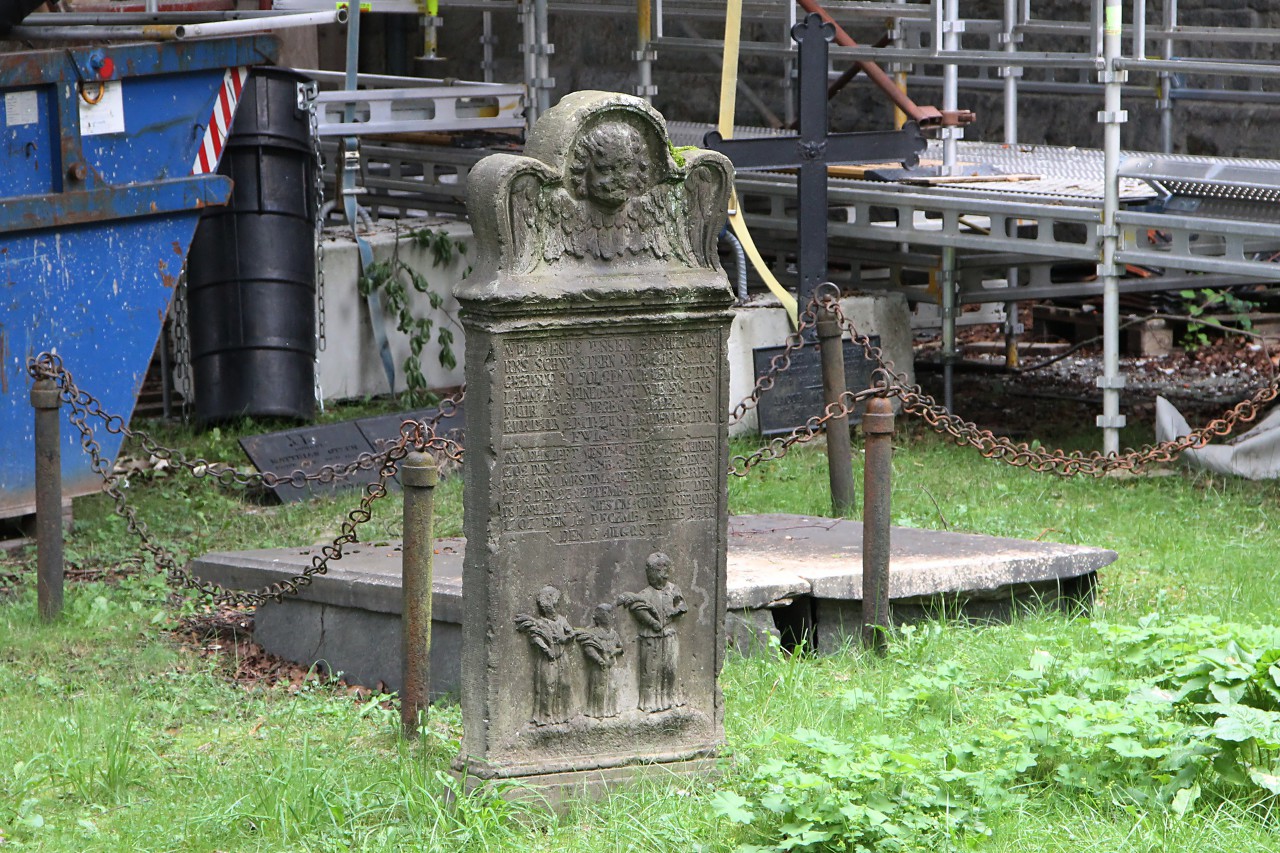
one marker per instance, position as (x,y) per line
(813,149)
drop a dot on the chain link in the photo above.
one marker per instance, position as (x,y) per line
(887,382)
(308,95)
(182,345)
(84,408)
(1020,454)
(780,363)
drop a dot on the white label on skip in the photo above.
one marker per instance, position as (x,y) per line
(101,109)
(21,108)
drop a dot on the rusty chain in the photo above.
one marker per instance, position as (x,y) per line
(780,363)
(888,382)
(84,407)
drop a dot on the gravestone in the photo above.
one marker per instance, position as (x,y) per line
(595,500)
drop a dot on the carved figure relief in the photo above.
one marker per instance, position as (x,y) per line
(619,194)
(655,610)
(601,647)
(550,635)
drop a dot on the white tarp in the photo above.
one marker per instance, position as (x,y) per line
(1254,454)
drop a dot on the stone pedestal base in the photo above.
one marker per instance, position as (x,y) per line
(556,790)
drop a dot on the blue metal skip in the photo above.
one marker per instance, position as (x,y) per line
(100,193)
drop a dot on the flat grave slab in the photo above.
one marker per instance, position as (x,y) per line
(349,618)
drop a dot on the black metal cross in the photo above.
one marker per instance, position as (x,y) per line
(814,149)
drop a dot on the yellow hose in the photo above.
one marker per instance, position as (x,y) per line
(728,89)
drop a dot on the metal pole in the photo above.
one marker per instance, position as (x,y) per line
(46,400)
(487,40)
(951,29)
(259,25)
(1111,381)
(947,284)
(418,476)
(1165,102)
(839,449)
(877,427)
(531,112)
(544,49)
(644,55)
(1011,72)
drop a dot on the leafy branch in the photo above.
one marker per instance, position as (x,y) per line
(392,279)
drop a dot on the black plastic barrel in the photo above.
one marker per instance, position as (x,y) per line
(251,270)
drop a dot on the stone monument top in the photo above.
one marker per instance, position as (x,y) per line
(595,505)
(599,194)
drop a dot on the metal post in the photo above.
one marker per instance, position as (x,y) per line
(644,54)
(418,476)
(877,427)
(1111,117)
(1165,101)
(544,49)
(46,400)
(951,29)
(530,62)
(487,40)
(947,284)
(1011,72)
(839,449)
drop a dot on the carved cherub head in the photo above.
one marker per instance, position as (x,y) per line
(610,165)
(657,569)
(548,601)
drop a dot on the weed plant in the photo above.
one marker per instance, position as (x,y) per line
(1149,725)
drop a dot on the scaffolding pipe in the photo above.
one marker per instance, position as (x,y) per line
(644,54)
(259,25)
(1111,381)
(1011,74)
(542,59)
(1165,104)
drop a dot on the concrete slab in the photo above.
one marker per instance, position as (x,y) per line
(349,618)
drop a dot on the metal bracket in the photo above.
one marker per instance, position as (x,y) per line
(950,132)
(1113,116)
(1108,76)
(646,91)
(538,49)
(1006,38)
(1108,230)
(1110,270)
(543,82)
(647,55)
(1114,383)
(307,95)
(1116,422)
(953,26)
(1009,72)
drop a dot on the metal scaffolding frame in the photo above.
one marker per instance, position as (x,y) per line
(1203,220)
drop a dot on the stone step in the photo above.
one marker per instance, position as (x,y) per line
(794,578)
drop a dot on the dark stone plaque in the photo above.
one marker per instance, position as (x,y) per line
(309,449)
(384,430)
(796,394)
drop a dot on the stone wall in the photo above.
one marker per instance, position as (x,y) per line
(594,51)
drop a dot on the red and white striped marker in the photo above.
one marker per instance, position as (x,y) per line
(224,110)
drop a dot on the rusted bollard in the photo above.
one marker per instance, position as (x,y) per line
(844,500)
(46,400)
(877,426)
(419,476)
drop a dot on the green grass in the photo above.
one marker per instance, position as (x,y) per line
(114,737)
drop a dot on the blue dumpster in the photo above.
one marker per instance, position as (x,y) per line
(109,155)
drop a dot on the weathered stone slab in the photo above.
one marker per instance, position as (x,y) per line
(773,560)
(595,503)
